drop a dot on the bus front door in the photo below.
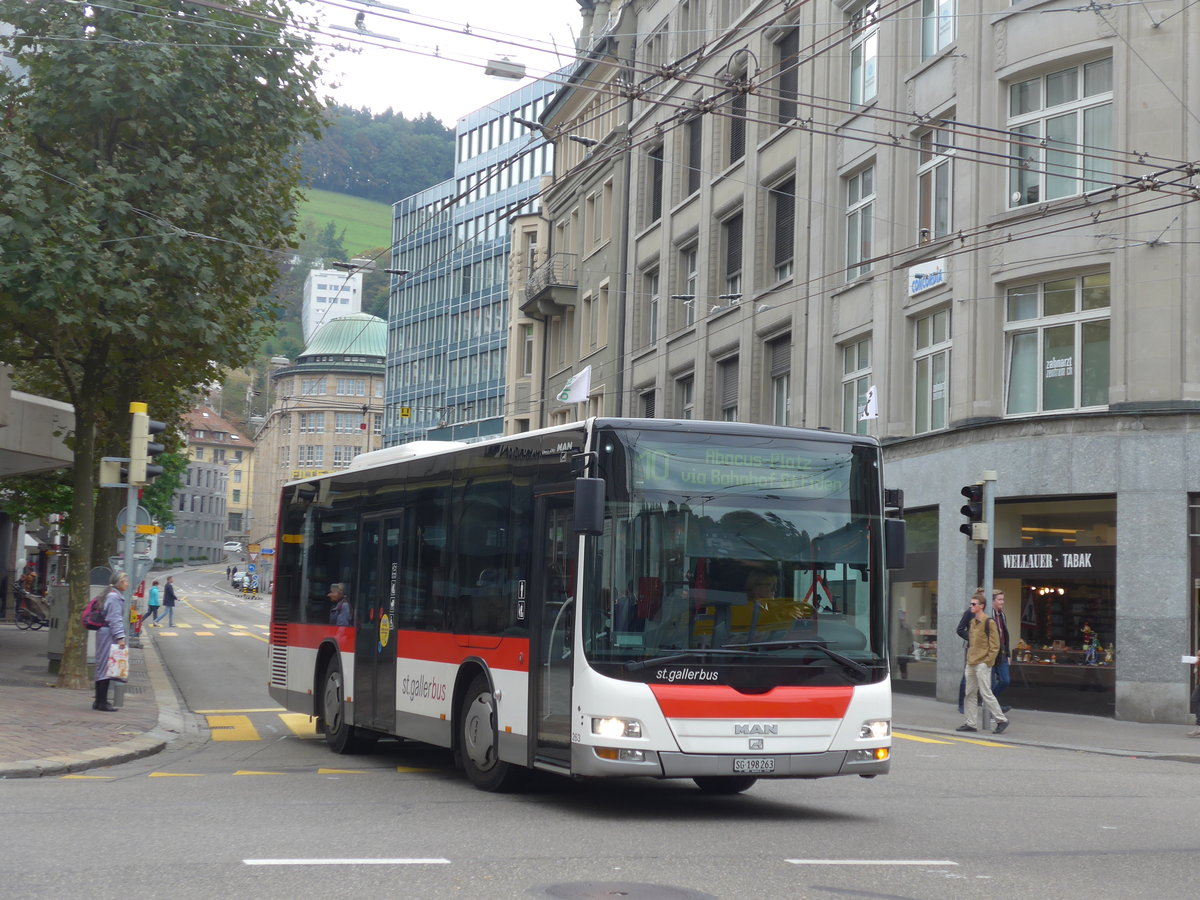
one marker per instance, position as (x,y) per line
(554,616)
(375,624)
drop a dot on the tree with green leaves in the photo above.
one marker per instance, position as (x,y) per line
(148,187)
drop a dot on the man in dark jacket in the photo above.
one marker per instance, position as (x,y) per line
(169,599)
(983,645)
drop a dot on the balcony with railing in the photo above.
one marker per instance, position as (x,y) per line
(552,286)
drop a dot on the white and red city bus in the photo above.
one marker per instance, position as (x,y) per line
(612,598)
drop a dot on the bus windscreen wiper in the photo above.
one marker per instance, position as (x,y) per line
(852,664)
(686,655)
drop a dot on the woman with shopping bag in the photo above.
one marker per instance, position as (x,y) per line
(109,638)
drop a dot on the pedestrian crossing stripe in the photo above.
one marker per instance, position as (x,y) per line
(232,728)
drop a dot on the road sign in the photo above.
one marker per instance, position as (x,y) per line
(269,551)
(251,568)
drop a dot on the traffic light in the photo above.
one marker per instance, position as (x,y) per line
(975,527)
(141,449)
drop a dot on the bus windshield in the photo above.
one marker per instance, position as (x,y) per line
(741,559)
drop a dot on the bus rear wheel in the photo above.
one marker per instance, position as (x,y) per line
(341,736)
(725,784)
(478,741)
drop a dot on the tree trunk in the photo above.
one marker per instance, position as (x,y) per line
(73,673)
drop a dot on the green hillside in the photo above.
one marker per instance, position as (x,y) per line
(367,224)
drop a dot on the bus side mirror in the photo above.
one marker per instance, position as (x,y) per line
(589,505)
(895,539)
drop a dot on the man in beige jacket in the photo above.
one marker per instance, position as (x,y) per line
(983,643)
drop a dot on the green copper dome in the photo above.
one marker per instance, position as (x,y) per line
(359,335)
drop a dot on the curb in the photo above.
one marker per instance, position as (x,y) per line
(168,729)
(1072,748)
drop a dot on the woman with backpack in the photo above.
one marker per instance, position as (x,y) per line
(110,633)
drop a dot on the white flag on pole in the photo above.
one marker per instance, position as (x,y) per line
(578,386)
(870,409)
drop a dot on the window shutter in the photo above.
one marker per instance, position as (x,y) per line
(733,245)
(729,383)
(780,356)
(785,220)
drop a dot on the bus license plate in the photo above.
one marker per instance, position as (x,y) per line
(754,765)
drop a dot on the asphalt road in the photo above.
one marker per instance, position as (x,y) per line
(268,811)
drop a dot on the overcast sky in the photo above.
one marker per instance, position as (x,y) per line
(423,62)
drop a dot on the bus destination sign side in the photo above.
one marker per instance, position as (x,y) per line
(752,471)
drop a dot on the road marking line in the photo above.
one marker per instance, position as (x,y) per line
(251,772)
(218,712)
(980,743)
(175,775)
(302,726)
(341,771)
(913,737)
(346,862)
(232,728)
(872,862)
(413,769)
(89,777)
(203,633)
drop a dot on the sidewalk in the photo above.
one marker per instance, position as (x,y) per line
(45,730)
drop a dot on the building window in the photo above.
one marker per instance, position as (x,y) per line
(684,397)
(647,402)
(731,251)
(343,455)
(787,62)
(690,274)
(237,496)
(856,379)
(937,26)
(934,183)
(931,368)
(198,453)
(1057,334)
(310,456)
(345,423)
(654,179)
(352,387)
(1065,123)
(783,226)
(650,292)
(779,362)
(864,54)
(860,210)
(312,423)
(237,476)
(727,389)
(312,386)
(737,124)
(527,348)
(695,147)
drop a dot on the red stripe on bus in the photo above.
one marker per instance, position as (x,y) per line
(427,646)
(717,701)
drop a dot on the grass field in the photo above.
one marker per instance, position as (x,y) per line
(367,224)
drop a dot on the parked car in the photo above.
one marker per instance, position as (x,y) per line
(240,580)
(233,547)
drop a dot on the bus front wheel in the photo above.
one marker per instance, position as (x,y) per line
(478,741)
(725,784)
(341,736)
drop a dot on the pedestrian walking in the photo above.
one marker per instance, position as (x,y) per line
(983,645)
(963,631)
(1000,673)
(112,632)
(229,573)
(169,599)
(153,604)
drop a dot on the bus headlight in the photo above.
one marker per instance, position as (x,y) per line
(615,727)
(875,729)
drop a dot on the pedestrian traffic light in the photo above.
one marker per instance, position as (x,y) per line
(141,449)
(975,527)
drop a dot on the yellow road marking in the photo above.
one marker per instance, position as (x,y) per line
(167,634)
(913,737)
(232,728)
(413,769)
(175,775)
(89,777)
(300,725)
(341,771)
(213,618)
(248,772)
(203,633)
(979,742)
(217,712)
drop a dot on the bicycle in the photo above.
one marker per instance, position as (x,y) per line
(30,612)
